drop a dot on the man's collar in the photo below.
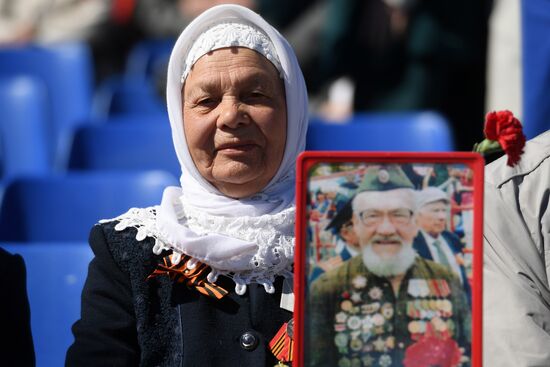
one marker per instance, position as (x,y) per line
(429,237)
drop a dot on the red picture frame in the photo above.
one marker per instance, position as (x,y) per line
(311,251)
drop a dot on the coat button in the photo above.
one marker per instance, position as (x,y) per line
(249,341)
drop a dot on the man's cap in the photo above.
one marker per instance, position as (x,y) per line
(431,195)
(384,178)
(343,215)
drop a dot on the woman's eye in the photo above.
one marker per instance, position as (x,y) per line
(254,96)
(206,102)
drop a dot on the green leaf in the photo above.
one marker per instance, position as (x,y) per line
(487,147)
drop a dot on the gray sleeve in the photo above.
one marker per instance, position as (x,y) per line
(516,310)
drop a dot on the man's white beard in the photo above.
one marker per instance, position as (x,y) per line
(388,266)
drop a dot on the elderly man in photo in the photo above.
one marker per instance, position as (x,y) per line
(387,306)
(434,241)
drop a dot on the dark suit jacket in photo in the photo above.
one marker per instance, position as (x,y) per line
(421,247)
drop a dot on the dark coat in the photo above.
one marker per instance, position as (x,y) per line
(421,246)
(16,348)
(127,320)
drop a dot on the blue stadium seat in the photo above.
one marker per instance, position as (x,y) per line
(66,71)
(124,146)
(117,96)
(64,208)
(405,132)
(535,70)
(148,57)
(24,141)
(135,92)
(55,277)
(131,119)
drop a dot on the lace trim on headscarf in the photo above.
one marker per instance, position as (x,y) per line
(231,34)
(274,256)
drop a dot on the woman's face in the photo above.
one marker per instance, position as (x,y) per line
(234,113)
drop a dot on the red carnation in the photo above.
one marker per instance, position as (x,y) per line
(504,128)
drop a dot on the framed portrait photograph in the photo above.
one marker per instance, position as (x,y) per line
(388,268)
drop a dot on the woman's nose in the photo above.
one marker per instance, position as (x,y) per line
(231,114)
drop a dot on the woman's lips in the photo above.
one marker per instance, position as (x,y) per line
(236,148)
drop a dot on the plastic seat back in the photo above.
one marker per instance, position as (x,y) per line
(66,71)
(535,72)
(147,57)
(422,131)
(124,146)
(118,96)
(55,277)
(136,91)
(64,208)
(24,139)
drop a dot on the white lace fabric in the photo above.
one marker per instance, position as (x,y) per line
(230,34)
(269,238)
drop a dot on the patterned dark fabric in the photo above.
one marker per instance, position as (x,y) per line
(127,320)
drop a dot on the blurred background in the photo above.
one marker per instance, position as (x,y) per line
(84,132)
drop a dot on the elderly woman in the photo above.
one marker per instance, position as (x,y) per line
(197,280)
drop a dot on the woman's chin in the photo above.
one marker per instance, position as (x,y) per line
(239,180)
(239,191)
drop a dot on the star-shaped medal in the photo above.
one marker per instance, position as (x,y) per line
(359,282)
(341,317)
(379,344)
(367,361)
(375,293)
(385,360)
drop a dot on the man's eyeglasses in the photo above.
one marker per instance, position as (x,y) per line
(396,217)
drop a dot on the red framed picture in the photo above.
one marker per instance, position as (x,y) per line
(388,267)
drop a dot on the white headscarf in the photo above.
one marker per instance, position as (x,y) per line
(251,239)
(296,98)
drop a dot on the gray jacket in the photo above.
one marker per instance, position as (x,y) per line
(516,309)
